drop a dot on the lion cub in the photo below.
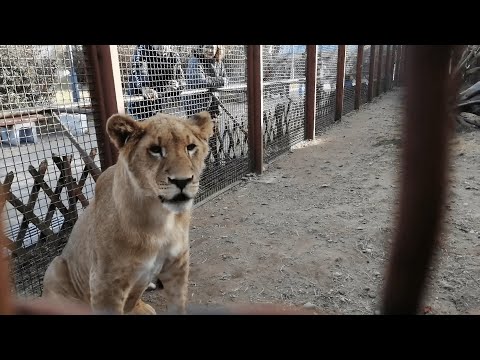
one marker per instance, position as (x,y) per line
(137,226)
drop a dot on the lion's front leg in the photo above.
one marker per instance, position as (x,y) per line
(174,277)
(109,291)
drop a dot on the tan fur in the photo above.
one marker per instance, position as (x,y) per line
(129,233)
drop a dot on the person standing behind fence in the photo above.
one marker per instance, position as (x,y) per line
(205,69)
(157,75)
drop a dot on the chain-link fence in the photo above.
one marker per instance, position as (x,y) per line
(48,146)
(53,123)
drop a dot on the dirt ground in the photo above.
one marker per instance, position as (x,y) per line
(315,230)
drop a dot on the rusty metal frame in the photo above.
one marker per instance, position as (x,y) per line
(107,90)
(423,190)
(340,91)
(311,93)
(255,106)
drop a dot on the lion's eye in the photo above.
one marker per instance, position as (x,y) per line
(156,151)
(191,147)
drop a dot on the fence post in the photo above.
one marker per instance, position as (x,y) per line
(358,80)
(427,129)
(255,106)
(371,75)
(379,71)
(107,93)
(340,82)
(311,95)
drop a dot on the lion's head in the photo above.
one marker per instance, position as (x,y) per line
(164,155)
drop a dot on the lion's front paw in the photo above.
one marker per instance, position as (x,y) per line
(143,308)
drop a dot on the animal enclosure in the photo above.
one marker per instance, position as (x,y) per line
(55,101)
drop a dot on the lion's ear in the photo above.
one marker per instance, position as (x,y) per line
(203,121)
(120,128)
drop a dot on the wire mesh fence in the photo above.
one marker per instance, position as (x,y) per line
(327,57)
(350,78)
(284,68)
(185,79)
(383,76)
(375,71)
(48,140)
(52,137)
(365,74)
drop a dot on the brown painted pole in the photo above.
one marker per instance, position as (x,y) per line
(107,91)
(371,73)
(255,106)
(358,80)
(340,82)
(424,177)
(311,94)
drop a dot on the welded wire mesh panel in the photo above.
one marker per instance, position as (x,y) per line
(383,77)
(350,78)
(365,74)
(375,70)
(185,79)
(327,58)
(48,135)
(284,68)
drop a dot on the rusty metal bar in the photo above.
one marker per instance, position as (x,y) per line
(423,181)
(311,93)
(371,75)
(255,106)
(358,80)
(340,82)
(386,83)
(108,93)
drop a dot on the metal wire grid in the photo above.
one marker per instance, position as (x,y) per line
(157,67)
(284,69)
(375,70)
(46,117)
(365,74)
(350,78)
(327,58)
(383,81)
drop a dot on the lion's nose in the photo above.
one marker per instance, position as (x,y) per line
(181,183)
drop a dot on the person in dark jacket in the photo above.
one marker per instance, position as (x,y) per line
(157,76)
(205,70)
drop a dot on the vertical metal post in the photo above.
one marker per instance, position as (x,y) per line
(340,82)
(424,177)
(311,95)
(255,106)
(107,94)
